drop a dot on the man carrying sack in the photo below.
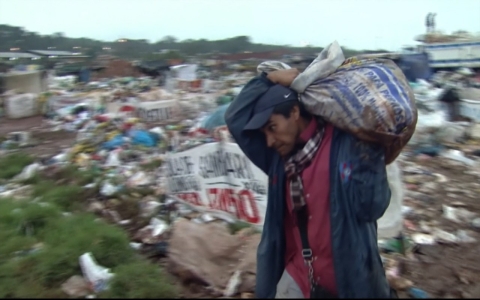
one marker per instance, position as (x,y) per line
(327,189)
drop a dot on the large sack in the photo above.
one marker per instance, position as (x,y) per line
(368,97)
(21,106)
(212,254)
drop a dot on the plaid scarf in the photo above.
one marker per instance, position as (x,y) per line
(297,163)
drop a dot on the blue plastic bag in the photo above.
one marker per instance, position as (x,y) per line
(143,138)
(116,142)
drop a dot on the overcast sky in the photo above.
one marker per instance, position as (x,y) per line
(359,24)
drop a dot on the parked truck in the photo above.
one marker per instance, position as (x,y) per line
(451,51)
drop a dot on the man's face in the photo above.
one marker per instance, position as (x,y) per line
(282,133)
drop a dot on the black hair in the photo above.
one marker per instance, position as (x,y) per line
(285,109)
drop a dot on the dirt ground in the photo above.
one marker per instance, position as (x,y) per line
(10,125)
(46,142)
(446,270)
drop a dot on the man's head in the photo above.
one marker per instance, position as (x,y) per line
(281,117)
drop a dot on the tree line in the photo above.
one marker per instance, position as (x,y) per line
(18,37)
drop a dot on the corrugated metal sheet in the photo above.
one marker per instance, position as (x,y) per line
(17,55)
(52,53)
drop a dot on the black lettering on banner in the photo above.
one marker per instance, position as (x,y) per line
(182,184)
(180,175)
(219,163)
(156,114)
(180,166)
(255,186)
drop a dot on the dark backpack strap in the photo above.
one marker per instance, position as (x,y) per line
(302,222)
(316,291)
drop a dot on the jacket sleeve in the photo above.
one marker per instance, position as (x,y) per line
(238,114)
(371,189)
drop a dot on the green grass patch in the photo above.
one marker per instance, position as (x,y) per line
(140,279)
(152,165)
(237,226)
(13,164)
(39,274)
(41,246)
(68,197)
(77,176)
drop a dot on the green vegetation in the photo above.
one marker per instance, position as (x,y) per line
(13,164)
(41,245)
(13,36)
(152,165)
(139,280)
(237,226)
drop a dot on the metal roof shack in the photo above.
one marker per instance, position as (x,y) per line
(253,55)
(51,53)
(17,55)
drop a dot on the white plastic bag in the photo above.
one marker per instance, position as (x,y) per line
(138,179)
(108,189)
(96,275)
(391,223)
(28,172)
(113,159)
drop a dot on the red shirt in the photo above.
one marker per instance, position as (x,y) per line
(316,184)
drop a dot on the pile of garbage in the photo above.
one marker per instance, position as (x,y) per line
(124,151)
(435,129)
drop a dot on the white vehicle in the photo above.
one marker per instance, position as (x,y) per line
(451,51)
(457,54)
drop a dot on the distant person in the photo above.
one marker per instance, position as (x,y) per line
(432,23)
(326,192)
(428,22)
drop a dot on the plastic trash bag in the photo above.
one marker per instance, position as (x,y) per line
(158,131)
(108,189)
(96,275)
(140,178)
(368,97)
(158,226)
(28,172)
(115,142)
(144,138)
(113,159)
(391,223)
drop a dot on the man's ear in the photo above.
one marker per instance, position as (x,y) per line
(295,113)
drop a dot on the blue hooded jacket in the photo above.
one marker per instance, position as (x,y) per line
(359,196)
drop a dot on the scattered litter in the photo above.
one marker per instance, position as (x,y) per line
(28,172)
(445,237)
(95,275)
(233,284)
(457,214)
(459,156)
(136,246)
(108,189)
(76,287)
(476,223)
(159,226)
(123,146)
(417,293)
(423,239)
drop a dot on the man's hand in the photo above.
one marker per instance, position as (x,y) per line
(283,77)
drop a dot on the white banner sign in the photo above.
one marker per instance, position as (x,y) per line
(221,178)
(157,111)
